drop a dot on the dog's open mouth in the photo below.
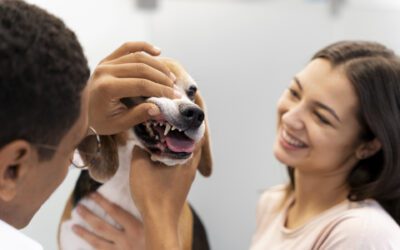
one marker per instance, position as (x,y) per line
(162,138)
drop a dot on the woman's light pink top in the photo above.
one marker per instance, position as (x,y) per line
(349,226)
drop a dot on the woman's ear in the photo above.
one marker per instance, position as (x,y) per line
(14,164)
(368,149)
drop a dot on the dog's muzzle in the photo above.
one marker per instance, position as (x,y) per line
(171,137)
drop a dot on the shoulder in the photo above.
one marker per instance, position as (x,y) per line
(271,199)
(371,218)
(273,193)
(366,226)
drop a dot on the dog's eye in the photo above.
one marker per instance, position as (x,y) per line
(191,92)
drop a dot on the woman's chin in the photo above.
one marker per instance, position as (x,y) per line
(280,155)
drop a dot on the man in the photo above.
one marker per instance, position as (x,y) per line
(47,105)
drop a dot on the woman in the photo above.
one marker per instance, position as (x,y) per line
(338,133)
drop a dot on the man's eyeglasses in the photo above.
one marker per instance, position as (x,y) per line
(87,153)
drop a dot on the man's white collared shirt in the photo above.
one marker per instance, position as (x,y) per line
(13,239)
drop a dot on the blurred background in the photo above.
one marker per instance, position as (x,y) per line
(243,54)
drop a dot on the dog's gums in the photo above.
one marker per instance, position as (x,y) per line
(164,139)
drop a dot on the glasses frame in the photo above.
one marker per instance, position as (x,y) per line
(91,132)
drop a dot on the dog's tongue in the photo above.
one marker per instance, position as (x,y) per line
(176,141)
(179,144)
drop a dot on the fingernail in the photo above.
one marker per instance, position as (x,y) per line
(177,94)
(157,49)
(154,111)
(172,76)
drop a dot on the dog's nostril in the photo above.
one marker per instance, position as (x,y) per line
(193,116)
(200,118)
(188,113)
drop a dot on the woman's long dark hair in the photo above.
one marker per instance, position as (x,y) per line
(374,71)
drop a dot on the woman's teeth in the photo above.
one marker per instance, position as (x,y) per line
(292,141)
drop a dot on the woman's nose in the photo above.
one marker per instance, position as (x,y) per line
(293,119)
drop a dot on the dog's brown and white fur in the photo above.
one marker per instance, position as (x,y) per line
(170,139)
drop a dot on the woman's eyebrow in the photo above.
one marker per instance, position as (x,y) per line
(327,108)
(297,81)
(318,104)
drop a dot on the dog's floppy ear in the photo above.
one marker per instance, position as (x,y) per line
(105,165)
(205,165)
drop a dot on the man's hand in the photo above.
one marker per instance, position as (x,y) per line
(127,72)
(106,237)
(160,192)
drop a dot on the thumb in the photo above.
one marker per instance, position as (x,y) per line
(139,114)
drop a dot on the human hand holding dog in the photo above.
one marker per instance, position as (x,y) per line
(160,192)
(127,72)
(107,237)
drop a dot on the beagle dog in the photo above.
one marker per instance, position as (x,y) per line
(170,138)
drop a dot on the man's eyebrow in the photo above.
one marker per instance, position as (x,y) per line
(330,110)
(297,81)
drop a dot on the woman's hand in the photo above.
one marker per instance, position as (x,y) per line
(127,72)
(107,237)
(160,192)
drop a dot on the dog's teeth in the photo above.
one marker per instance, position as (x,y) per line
(173,128)
(167,128)
(149,130)
(180,130)
(157,137)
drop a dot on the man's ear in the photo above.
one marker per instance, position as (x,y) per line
(206,163)
(368,149)
(14,163)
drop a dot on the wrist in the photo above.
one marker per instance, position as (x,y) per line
(153,217)
(161,233)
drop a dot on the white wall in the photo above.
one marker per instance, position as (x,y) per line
(101,26)
(242,54)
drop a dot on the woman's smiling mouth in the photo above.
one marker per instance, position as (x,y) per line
(290,142)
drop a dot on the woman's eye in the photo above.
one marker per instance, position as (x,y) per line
(294,93)
(322,119)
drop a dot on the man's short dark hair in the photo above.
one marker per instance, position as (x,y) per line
(42,74)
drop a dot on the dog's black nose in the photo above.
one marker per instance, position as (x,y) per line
(192,115)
